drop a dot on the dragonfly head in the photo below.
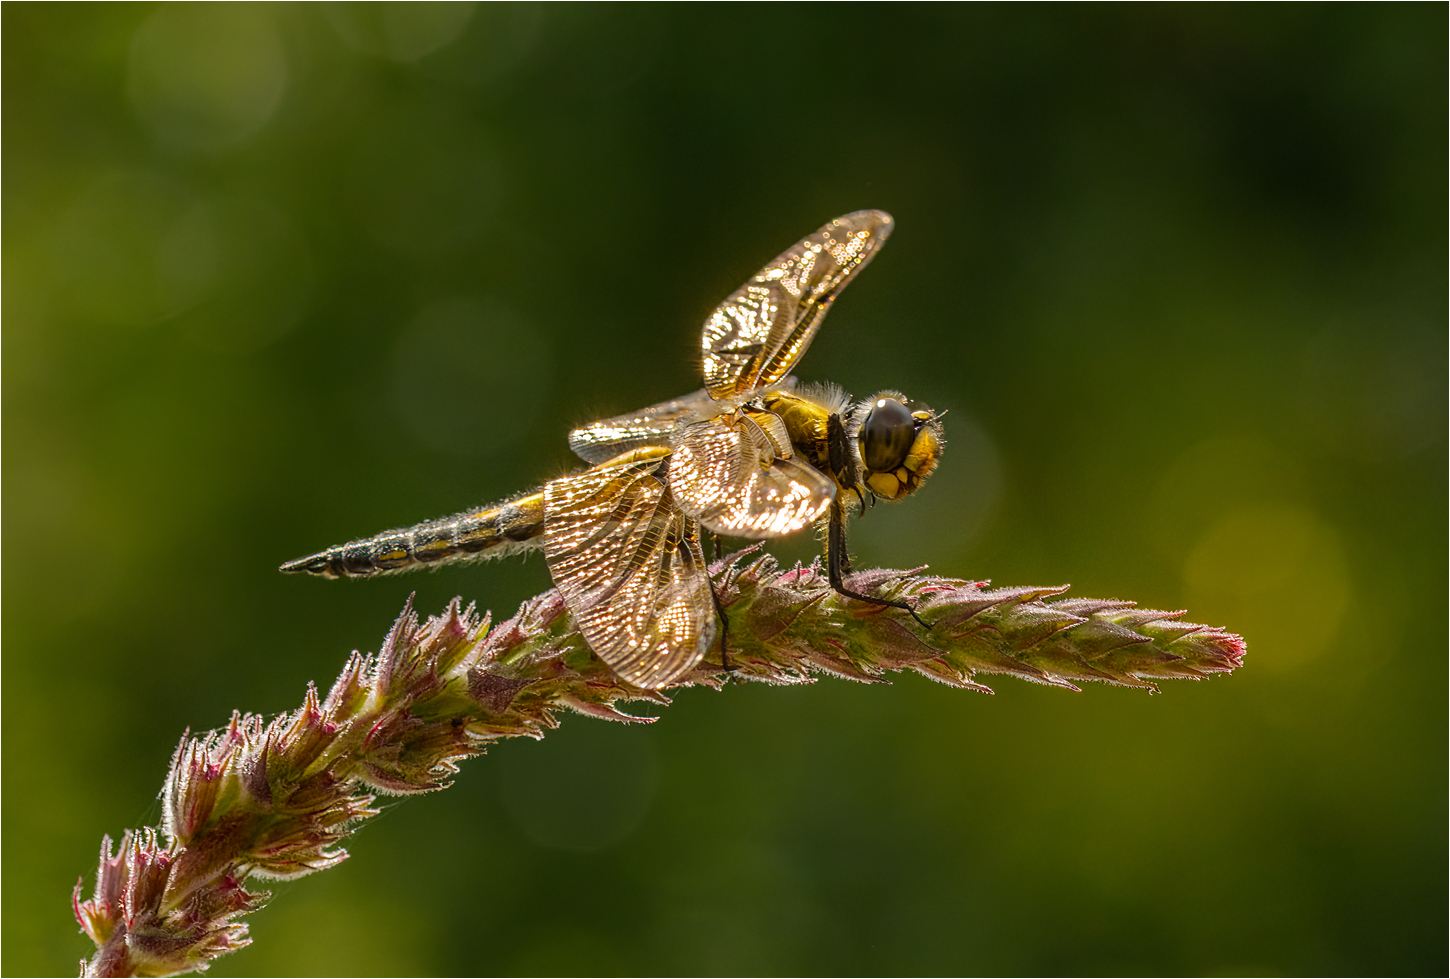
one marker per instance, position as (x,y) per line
(899,446)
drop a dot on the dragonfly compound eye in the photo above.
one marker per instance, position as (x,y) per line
(886,435)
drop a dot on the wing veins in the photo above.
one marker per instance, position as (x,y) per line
(777,313)
(634,579)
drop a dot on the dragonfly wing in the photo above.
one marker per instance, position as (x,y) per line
(609,437)
(733,477)
(603,440)
(737,335)
(756,336)
(629,565)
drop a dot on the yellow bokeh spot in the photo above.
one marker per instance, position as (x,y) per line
(1277,575)
(208,77)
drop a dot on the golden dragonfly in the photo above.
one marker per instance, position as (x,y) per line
(752,455)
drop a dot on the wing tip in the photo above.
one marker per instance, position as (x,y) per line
(882,221)
(655,665)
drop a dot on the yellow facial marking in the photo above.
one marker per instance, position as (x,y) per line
(924,452)
(884,485)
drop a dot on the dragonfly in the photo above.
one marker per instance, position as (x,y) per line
(753,455)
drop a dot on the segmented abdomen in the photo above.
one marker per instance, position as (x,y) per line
(468,536)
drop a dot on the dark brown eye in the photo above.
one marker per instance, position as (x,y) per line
(886,435)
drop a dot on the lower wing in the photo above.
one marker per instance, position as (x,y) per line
(629,564)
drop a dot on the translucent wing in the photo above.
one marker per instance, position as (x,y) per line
(603,440)
(629,564)
(757,335)
(737,479)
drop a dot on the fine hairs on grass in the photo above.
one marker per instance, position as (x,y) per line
(274,799)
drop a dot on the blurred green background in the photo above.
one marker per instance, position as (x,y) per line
(280,276)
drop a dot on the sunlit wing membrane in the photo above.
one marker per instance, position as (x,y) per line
(730,476)
(603,440)
(610,437)
(735,338)
(757,335)
(629,565)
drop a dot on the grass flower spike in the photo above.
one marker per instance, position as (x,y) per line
(274,799)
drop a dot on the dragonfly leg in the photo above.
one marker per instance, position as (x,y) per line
(838,565)
(725,663)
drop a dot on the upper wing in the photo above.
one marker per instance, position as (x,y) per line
(737,478)
(629,565)
(609,437)
(756,336)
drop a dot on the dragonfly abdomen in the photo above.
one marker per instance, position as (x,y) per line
(473,535)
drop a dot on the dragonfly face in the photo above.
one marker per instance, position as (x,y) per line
(749,456)
(899,447)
